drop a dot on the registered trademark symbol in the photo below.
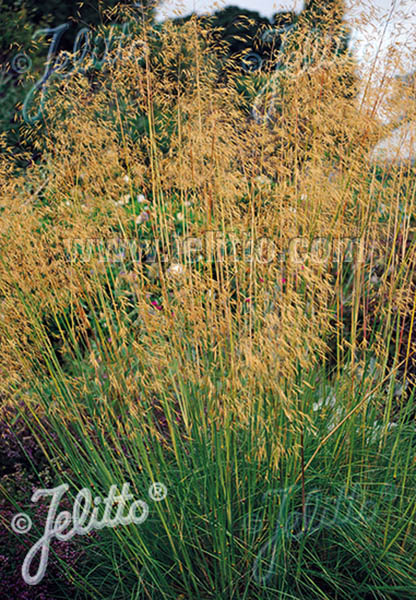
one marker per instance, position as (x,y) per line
(158,491)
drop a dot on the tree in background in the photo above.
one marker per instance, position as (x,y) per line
(21,54)
(236,31)
(21,19)
(327,16)
(241,30)
(324,12)
(253,42)
(52,13)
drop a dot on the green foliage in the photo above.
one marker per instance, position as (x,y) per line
(244,32)
(78,13)
(18,25)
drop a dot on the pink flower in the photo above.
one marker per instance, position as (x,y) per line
(156,305)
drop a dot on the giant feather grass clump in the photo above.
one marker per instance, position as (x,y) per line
(225,305)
